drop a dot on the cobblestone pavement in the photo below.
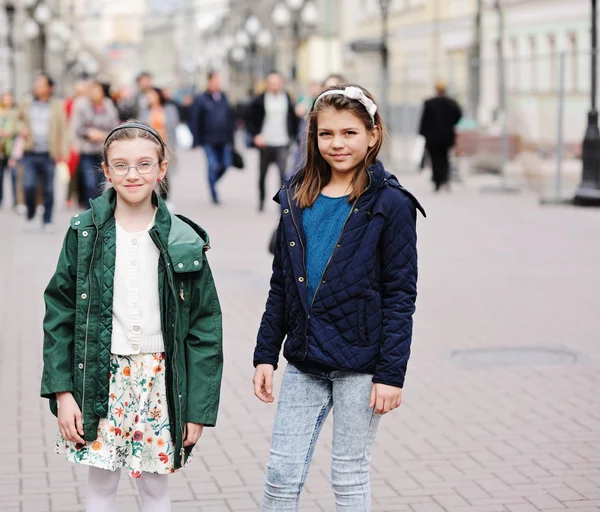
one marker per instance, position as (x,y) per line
(510,432)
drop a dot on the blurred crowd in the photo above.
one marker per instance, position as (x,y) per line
(44,136)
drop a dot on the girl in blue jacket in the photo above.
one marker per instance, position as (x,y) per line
(342,297)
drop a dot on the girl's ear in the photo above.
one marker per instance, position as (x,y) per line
(374,135)
(106,171)
(163,169)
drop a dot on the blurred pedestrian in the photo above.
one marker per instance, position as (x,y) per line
(126,407)
(342,297)
(43,123)
(8,135)
(144,86)
(333,79)
(212,123)
(438,120)
(75,187)
(124,97)
(301,109)
(164,118)
(133,103)
(273,125)
(93,118)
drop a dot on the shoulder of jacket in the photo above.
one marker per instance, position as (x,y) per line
(184,230)
(186,244)
(393,186)
(82,220)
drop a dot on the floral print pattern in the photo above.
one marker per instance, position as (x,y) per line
(136,432)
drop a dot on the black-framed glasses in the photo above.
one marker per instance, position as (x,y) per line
(121,169)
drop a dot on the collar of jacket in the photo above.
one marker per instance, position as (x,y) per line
(184,241)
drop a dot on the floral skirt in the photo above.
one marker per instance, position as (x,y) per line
(136,432)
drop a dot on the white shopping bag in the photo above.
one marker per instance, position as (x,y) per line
(417,150)
(184,136)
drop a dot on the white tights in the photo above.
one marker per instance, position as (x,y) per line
(102,491)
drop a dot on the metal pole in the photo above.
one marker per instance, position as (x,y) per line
(559,134)
(504,143)
(383,99)
(252,64)
(500,51)
(296,35)
(588,193)
(474,62)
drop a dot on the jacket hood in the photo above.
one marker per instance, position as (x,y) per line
(183,239)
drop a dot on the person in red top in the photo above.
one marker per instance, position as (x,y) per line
(74,187)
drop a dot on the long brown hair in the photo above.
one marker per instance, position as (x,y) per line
(316,172)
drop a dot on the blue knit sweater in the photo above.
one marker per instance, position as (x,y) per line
(323,224)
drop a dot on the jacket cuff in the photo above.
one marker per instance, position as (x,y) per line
(264,361)
(388,382)
(49,389)
(396,379)
(207,419)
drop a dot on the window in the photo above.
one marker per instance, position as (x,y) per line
(533,55)
(552,62)
(571,63)
(514,65)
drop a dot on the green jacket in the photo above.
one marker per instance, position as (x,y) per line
(78,319)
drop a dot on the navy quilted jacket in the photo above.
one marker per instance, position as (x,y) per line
(361,316)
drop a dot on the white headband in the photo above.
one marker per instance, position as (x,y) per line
(354,93)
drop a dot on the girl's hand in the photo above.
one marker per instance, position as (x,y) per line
(70,422)
(385,398)
(191,433)
(263,383)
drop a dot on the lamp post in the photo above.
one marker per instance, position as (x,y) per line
(301,14)
(588,193)
(384,52)
(251,37)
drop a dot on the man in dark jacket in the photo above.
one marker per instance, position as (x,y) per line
(273,125)
(440,116)
(212,123)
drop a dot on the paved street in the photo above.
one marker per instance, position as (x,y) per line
(515,430)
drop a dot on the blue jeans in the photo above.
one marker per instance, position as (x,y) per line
(39,167)
(304,403)
(92,177)
(13,180)
(218,157)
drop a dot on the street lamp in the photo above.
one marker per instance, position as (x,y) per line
(384,52)
(298,12)
(588,193)
(251,37)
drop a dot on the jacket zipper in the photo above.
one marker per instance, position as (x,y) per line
(182,421)
(87,319)
(298,231)
(287,192)
(337,241)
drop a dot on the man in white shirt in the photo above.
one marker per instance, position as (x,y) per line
(273,125)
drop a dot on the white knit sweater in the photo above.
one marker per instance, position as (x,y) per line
(136,307)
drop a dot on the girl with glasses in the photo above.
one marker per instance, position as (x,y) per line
(132,332)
